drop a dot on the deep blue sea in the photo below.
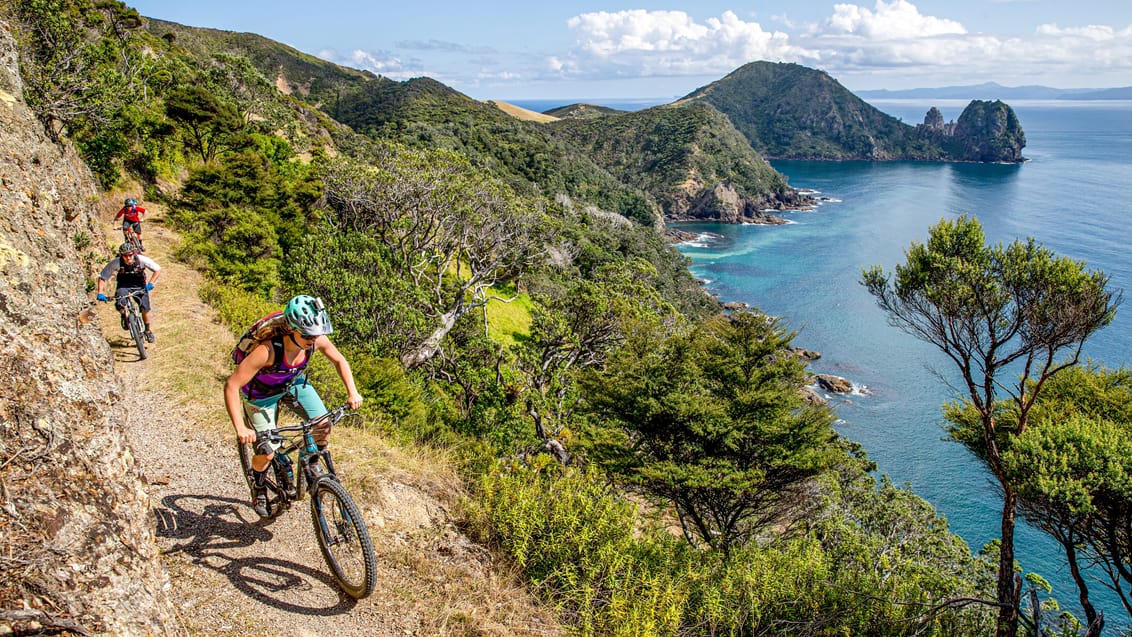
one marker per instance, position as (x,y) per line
(1074,196)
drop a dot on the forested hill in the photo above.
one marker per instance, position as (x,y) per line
(790,111)
(424,113)
(689,157)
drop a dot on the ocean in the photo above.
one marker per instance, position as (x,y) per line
(1074,196)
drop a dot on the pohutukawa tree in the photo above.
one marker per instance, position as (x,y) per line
(1009,317)
(442,227)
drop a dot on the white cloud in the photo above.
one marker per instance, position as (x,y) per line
(380,62)
(893,39)
(890,43)
(896,20)
(640,42)
(1095,32)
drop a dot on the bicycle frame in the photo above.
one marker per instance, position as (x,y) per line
(134,319)
(339,524)
(308,456)
(131,237)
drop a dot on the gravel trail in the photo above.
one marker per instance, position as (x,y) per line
(230,573)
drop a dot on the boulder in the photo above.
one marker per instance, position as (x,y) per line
(835,384)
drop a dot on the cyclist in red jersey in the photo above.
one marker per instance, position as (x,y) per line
(131,215)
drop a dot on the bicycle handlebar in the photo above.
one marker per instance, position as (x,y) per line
(333,417)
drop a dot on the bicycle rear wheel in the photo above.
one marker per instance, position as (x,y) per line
(343,538)
(137,331)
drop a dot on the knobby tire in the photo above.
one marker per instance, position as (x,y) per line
(343,537)
(137,331)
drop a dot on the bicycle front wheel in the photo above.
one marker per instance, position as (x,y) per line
(343,538)
(137,332)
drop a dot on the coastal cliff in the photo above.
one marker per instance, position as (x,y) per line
(78,552)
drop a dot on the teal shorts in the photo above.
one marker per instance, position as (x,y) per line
(262,414)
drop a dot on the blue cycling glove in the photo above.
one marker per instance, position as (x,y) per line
(148,287)
(102,297)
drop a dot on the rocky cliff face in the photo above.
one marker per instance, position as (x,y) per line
(988,132)
(76,536)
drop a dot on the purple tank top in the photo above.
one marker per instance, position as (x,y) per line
(275,378)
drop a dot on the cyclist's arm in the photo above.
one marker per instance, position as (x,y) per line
(256,360)
(106,273)
(323,344)
(120,213)
(150,265)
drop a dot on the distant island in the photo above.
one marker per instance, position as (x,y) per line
(994,91)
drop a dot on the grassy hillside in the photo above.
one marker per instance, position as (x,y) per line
(424,113)
(524,114)
(292,72)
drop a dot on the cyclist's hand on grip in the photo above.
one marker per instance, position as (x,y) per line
(354,401)
(148,287)
(245,434)
(102,297)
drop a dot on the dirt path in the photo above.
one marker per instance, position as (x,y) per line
(232,574)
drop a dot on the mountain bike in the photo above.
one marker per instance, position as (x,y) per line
(132,238)
(338,524)
(134,321)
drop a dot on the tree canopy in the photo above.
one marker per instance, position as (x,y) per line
(712,421)
(995,309)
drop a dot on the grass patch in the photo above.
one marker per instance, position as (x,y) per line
(509,323)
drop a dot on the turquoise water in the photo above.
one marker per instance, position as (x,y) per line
(1075,196)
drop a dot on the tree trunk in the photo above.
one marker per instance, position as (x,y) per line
(1008,590)
(429,347)
(1082,588)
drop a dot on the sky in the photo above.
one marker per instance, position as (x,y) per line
(509,50)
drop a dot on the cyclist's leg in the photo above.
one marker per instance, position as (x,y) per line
(120,301)
(143,303)
(261,415)
(310,406)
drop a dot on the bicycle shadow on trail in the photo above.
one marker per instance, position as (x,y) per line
(209,528)
(122,346)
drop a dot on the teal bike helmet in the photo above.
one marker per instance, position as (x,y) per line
(131,202)
(308,315)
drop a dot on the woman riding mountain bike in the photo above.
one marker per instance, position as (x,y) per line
(273,369)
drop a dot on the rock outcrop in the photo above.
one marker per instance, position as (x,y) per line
(77,551)
(988,132)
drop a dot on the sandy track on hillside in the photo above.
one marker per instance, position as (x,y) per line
(229,573)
